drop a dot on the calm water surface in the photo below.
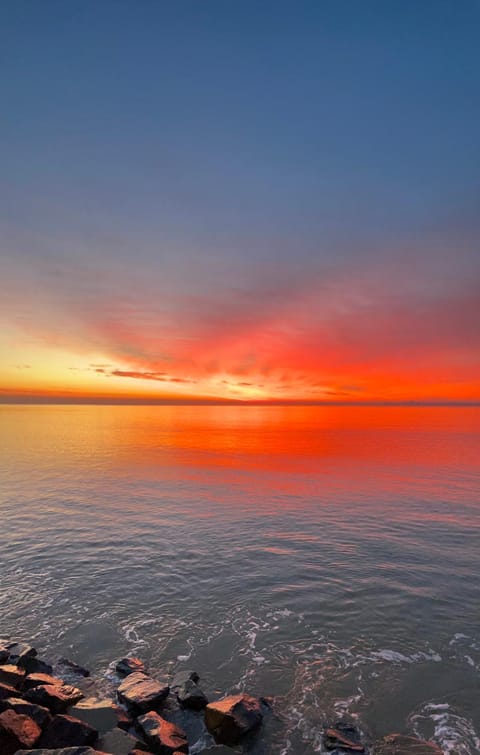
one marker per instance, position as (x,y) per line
(329,557)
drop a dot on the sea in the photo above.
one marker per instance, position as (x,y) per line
(324,557)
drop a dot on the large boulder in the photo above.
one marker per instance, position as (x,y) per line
(140,693)
(17,731)
(130,666)
(343,736)
(163,737)
(100,714)
(67,731)
(187,691)
(13,675)
(118,742)
(231,717)
(40,715)
(398,744)
(57,698)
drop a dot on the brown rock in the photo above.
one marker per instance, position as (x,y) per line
(398,744)
(130,666)
(17,731)
(162,736)
(35,680)
(67,731)
(40,715)
(57,698)
(231,717)
(140,693)
(10,674)
(6,690)
(62,751)
(123,719)
(343,737)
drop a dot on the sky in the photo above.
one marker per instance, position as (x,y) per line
(266,201)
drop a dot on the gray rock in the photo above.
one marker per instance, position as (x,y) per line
(130,666)
(182,677)
(190,695)
(75,667)
(97,713)
(163,737)
(231,717)
(18,650)
(34,665)
(140,693)
(118,742)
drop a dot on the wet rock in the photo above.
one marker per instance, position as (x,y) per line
(18,651)
(130,666)
(67,731)
(10,674)
(181,677)
(57,698)
(398,744)
(4,654)
(75,667)
(17,732)
(97,713)
(188,693)
(118,742)
(6,690)
(62,751)
(231,717)
(35,680)
(35,665)
(140,693)
(343,736)
(162,736)
(40,715)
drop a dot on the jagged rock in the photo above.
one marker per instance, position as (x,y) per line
(98,713)
(181,677)
(75,667)
(57,698)
(34,665)
(17,731)
(188,693)
(398,744)
(118,742)
(140,693)
(231,717)
(35,680)
(19,650)
(40,715)
(130,666)
(13,675)
(67,731)
(162,736)
(6,690)
(343,736)
(4,654)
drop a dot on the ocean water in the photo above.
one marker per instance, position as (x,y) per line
(328,557)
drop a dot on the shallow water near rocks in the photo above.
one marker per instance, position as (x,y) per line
(326,556)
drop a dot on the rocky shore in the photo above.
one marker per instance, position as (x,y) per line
(43,712)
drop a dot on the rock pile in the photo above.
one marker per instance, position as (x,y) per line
(41,714)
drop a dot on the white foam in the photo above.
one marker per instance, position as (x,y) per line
(455,734)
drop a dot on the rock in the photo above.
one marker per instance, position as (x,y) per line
(35,680)
(4,654)
(118,742)
(129,666)
(57,698)
(192,696)
(16,732)
(140,693)
(181,677)
(35,665)
(62,751)
(216,750)
(19,650)
(398,744)
(75,667)
(162,736)
(231,717)
(123,719)
(6,690)
(343,736)
(67,731)
(12,675)
(40,715)
(98,713)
